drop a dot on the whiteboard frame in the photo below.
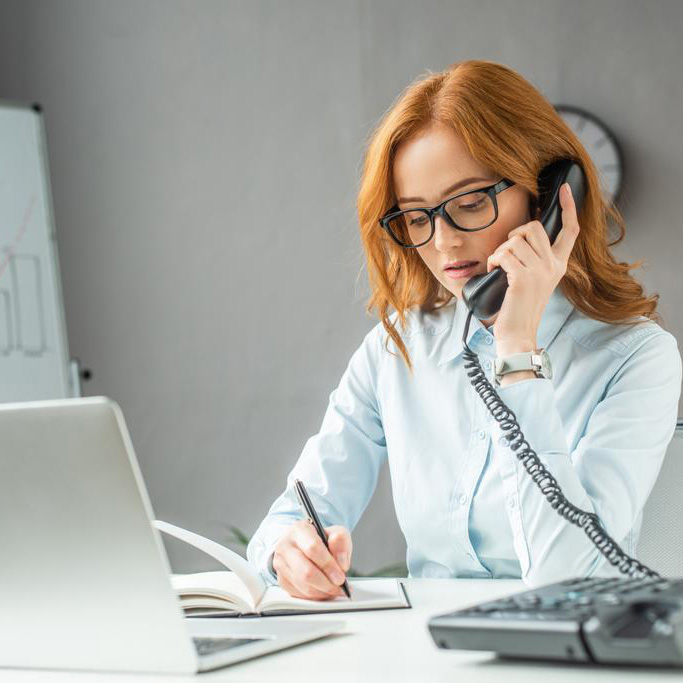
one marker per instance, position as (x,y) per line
(69,378)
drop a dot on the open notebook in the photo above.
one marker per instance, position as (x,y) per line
(242,591)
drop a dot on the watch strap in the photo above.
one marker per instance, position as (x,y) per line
(526,360)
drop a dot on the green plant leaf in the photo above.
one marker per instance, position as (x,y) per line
(238,536)
(399,570)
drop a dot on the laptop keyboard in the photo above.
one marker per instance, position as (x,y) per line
(208,646)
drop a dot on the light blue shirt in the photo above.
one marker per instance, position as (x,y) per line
(465,505)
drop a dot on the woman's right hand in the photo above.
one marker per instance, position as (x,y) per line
(306,568)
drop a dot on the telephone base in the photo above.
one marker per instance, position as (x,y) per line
(622,621)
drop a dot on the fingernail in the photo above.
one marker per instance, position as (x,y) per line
(337,578)
(342,560)
(569,189)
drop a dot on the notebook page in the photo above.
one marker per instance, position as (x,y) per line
(365,594)
(203,589)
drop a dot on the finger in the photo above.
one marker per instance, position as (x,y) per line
(306,575)
(521,248)
(570,225)
(286,579)
(296,573)
(306,538)
(536,236)
(286,559)
(506,259)
(339,541)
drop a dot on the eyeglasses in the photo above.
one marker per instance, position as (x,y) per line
(470,211)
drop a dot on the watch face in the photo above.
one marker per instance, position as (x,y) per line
(546,368)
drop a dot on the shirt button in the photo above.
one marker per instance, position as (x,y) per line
(503,441)
(482,434)
(462,499)
(487,365)
(488,340)
(511,502)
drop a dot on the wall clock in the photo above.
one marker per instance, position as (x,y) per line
(601,145)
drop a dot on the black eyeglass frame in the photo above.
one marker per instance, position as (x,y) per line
(440,210)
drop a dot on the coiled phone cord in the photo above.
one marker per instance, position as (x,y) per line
(588,521)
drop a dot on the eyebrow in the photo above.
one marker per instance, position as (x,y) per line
(446,192)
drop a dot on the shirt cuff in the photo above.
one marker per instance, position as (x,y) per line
(261,549)
(269,565)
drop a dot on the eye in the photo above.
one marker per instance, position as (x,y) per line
(420,220)
(471,202)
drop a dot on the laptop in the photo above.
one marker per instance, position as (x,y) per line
(84,577)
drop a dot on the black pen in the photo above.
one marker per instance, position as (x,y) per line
(315,520)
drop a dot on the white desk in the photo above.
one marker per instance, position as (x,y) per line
(392,645)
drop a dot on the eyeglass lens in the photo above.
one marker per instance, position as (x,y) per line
(475,210)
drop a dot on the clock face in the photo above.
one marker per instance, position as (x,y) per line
(600,144)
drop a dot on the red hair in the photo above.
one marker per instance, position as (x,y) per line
(510,127)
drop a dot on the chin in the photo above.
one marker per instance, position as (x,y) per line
(455,291)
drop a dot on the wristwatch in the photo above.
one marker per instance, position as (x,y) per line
(538,361)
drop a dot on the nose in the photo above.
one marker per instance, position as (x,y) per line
(445,236)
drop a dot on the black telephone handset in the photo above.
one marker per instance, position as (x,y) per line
(484,294)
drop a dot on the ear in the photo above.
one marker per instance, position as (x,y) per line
(534,209)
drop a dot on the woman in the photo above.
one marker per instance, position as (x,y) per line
(600,424)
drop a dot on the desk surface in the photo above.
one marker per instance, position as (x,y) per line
(387,645)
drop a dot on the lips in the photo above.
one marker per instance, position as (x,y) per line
(457,265)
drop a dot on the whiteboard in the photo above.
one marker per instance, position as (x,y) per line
(34,356)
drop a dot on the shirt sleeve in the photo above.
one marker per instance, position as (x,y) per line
(340,464)
(610,472)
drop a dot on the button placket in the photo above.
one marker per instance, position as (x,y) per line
(480,447)
(465,485)
(458,512)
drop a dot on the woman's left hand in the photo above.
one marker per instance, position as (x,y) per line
(534,267)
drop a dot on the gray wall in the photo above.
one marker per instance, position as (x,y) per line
(205,158)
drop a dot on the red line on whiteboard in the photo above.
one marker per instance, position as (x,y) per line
(19,236)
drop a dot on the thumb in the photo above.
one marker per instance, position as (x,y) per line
(339,541)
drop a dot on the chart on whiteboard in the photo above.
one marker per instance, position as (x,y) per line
(33,350)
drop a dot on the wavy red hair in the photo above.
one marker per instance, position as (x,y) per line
(509,126)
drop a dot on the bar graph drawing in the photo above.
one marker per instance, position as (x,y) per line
(22,309)
(6,338)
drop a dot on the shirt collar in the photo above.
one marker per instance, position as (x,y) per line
(554,316)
